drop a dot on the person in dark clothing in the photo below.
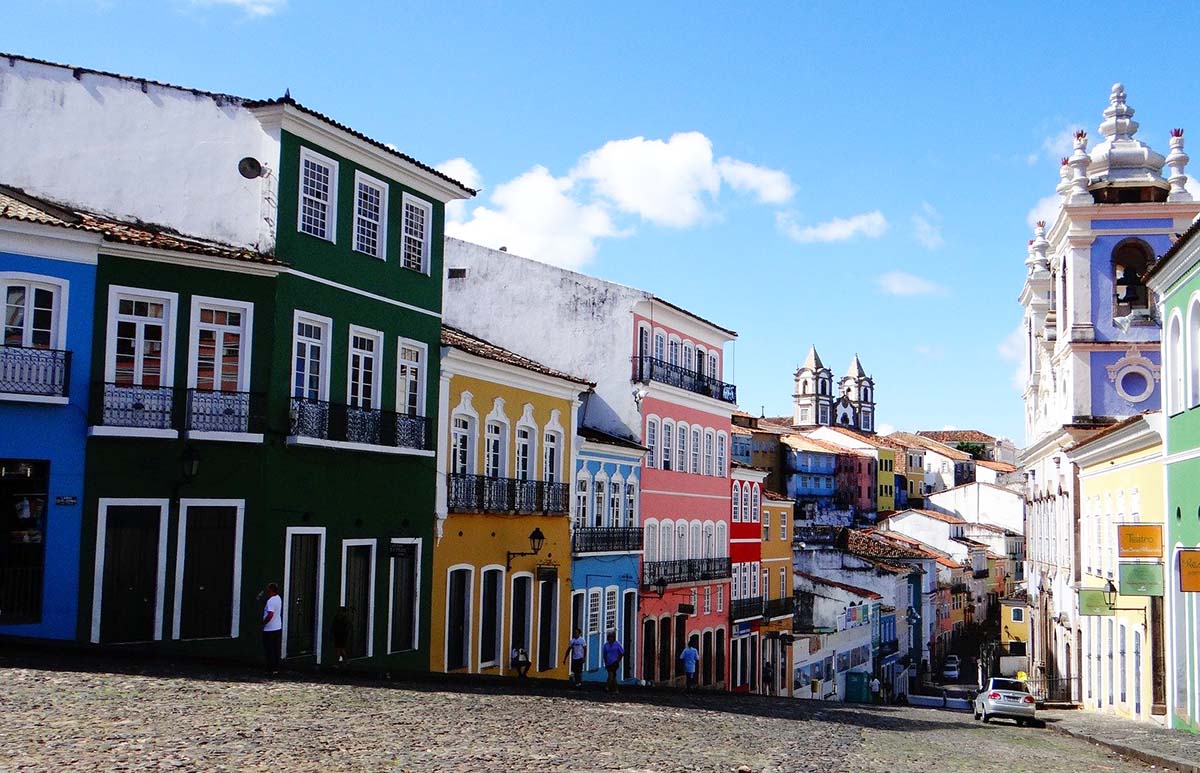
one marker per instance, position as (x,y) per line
(341,632)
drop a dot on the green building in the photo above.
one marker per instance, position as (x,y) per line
(270,416)
(1175,279)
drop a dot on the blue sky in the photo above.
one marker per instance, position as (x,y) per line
(853,176)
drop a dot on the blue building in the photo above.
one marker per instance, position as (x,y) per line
(606,546)
(810,469)
(901,491)
(48,288)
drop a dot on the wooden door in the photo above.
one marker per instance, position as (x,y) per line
(303,596)
(130,583)
(358,599)
(207,594)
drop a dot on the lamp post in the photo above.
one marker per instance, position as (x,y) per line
(536,540)
(1110,601)
(660,586)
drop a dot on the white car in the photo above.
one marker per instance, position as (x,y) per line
(1006,698)
(950,669)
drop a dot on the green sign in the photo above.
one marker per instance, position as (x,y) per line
(1091,602)
(1141,579)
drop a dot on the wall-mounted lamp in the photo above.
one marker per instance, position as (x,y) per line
(536,540)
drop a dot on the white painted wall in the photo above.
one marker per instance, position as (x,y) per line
(982,503)
(928,530)
(166,156)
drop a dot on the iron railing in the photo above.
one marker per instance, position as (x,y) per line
(209,411)
(129,405)
(486,494)
(815,534)
(746,609)
(347,423)
(686,570)
(29,371)
(607,539)
(781,607)
(1057,689)
(646,368)
(981,574)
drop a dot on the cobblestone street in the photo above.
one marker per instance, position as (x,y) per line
(97,720)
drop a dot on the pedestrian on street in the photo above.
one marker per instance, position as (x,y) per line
(520,662)
(690,657)
(341,632)
(577,652)
(272,628)
(768,677)
(613,654)
(875,687)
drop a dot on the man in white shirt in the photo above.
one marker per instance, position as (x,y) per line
(272,628)
(577,651)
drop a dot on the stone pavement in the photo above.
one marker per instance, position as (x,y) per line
(1139,740)
(131,716)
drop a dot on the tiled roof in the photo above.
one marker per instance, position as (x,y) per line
(993,528)
(1174,250)
(957,435)
(464,341)
(857,591)
(1110,429)
(969,542)
(929,444)
(695,316)
(872,545)
(738,429)
(997,466)
(806,443)
(599,436)
(772,496)
(934,514)
(15,204)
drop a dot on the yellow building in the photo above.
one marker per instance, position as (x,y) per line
(502,557)
(777,521)
(1120,553)
(1014,626)
(885,491)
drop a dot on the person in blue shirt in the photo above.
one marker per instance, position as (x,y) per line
(613,654)
(690,657)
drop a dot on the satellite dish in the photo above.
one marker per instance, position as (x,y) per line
(250,168)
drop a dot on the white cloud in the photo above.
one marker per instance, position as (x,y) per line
(903,283)
(465,172)
(1012,349)
(839,229)
(1193,187)
(1045,209)
(927,226)
(885,428)
(537,215)
(253,8)
(1055,146)
(771,186)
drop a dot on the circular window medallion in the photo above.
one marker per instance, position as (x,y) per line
(1135,383)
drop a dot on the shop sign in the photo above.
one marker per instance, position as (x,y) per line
(1189,570)
(1139,540)
(1091,602)
(1141,579)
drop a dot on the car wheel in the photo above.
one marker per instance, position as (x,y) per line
(987,717)
(1020,722)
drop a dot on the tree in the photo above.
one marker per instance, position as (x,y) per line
(976,450)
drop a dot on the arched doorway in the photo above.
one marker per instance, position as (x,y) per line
(648,637)
(707,655)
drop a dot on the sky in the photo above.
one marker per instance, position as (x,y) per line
(858,176)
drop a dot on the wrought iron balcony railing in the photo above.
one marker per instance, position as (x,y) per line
(686,570)
(505,495)
(815,534)
(647,368)
(347,423)
(780,607)
(133,406)
(746,609)
(209,411)
(40,372)
(607,539)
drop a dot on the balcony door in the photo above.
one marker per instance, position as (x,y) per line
(218,368)
(140,360)
(131,547)
(30,314)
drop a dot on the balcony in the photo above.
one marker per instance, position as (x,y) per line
(607,539)
(746,609)
(37,373)
(784,607)
(686,570)
(815,535)
(317,420)
(981,574)
(647,368)
(484,494)
(148,409)
(209,413)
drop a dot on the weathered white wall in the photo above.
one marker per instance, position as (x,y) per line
(928,530)
(982,503)
(165,156)
(571,322)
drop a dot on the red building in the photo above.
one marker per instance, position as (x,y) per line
(854,481)
(749,586)
(685,411)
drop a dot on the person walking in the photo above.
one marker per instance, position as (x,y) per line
(341,632)
(613,654)
(690,657)
(577,652)
(272,628)
(520,661)
(875,688)
(768,677)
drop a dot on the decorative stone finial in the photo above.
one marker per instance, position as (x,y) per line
(1118,116)
(1079,162)
(1064,179)
(1176,161)
(1119,159)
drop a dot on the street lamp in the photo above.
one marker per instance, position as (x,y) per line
(1110,601)
(190,464)
(536,540)
(660,586)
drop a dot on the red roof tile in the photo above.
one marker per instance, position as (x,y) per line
(857,591)
(464,341)
(957,436)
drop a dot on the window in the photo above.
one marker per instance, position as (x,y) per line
(713,371)
(708,452)
(31,313)
(721,455)
(720,600)
(418,217)
(631,501)
(783,526)
(824,410)
(804,415)
(668,429)
(318,195)
(652,442)
(694,600)
(581,501)
(695,451)
(708,599)
(747,513)
(140,341)
(491,612)
(219,346)
(766,524)
(737,502)
(370,216)
(1192,343)
(650,540)
(598,502)
(363,389)
(610,610)
(404,606)
(689,358)
(410,378)
(614,505)
(493,450)
(784,590)
(1129,263)
(593,612)
(1018,615)
(550,457)
(660,346)
(310,357)
(681,455)
(462,461)
(524,452)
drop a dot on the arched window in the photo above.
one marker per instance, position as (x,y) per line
(689,357)
(714,370)
(709,539)
(721,549)
(651,541)
(737,502)
(681,541)
(695,450)
(652,442)
(755,503)
(673,350)
(749,514)
(709,442)
(701,359)
(1193,353)
(631,504)
(666,540)
(668,430)
(804,387)
(581,499)
(695,550)
(681,454)
(1130,260)
(1176,365)
(660,345)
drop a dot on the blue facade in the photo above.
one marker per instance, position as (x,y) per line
(901,487)
(739,449)
(598,574)
(811,480)
(42,442)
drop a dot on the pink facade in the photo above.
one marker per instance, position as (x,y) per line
(746,587)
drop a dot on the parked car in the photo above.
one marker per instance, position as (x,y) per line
(950,668)
(1006,698)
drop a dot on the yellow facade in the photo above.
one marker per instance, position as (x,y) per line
(485,602)
(777,564)
(1118,487)
(885,472)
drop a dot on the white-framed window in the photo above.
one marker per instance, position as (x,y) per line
(736,513)
(650,541)
(581,500)
(493,450)
(713,370)
(415,236)
(708,599)
(748,515)
(141,344)
(370,216)
(722,546)
(673,350)
(593,611)
(695,450)
(524,452)
(709,442)
(668,431)
(614,503)
(410,377)
(721,454)
(681,453)
(462,435)
(599,487)
(652,442)
(755,502)
(784,590)
(695,600)
(631,504)
(317,211)
(720,599)
(766,524)
(689,357)
(310,356)
(610,609)
(550,455)
(660,345)
(362,377)
(32,307)
(783,535)
(220,345)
